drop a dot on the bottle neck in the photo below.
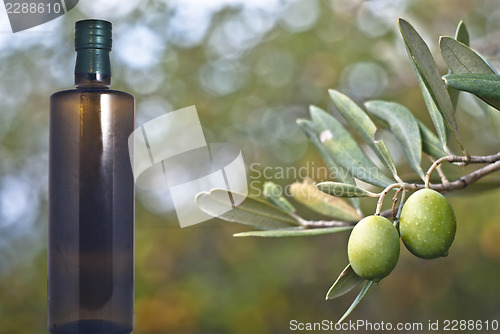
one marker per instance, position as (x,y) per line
(92,69)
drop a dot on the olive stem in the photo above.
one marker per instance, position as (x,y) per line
(335,223)
(444,179)
(435,164)
(382,196)
(459,183)
(467,159)
(493,162)
(325,223)
(394,201)
(403,194)
(320,223)
(398,178)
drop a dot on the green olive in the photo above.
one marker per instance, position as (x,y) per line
(373,248)
(427,224)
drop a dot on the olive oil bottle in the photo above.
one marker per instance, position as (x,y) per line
(91,196)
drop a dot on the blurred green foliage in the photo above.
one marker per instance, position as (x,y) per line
(251,69)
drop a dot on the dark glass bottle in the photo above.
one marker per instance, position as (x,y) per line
(91,200)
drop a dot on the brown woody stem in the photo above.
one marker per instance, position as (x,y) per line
(493,162)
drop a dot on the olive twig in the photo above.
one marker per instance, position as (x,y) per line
(467,159)
(398,179)
(436,163)
(335,223)
(444,179)
(493,162)
(325,223)
(396,220)
(394,201)
(382,196)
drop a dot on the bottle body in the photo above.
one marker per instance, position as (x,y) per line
(91,212)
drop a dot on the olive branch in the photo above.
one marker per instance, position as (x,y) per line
(277,217)
(447,186)
(493,162)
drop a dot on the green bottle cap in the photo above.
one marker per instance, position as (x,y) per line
(93,34)
(93,43)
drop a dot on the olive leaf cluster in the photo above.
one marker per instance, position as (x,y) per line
(348,162)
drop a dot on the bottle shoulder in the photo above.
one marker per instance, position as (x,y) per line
(86,91)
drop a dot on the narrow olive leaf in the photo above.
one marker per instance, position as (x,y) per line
(360,121)
(404,126)
(344,150)
(346,281)
(462,59)
(338,189)
(436,117)
(461,35)
(320,202)
(273,194)
(484,86)
(312,134)
(294,232)
(432,108)
(356,301)
(339,172)
(251,211)
(421,56)
(431,144)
